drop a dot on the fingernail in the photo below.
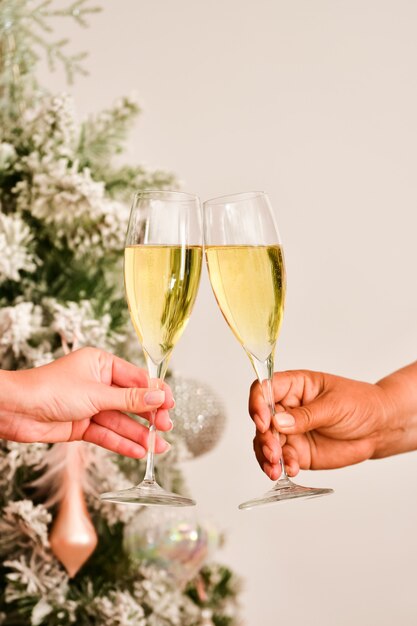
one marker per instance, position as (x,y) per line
(268,454)
(284,420)
(171,425)
(155,397)
(270,471)
(167,446)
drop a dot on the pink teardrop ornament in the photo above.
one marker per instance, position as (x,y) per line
(73,538)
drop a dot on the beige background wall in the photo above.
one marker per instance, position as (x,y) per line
(314,101)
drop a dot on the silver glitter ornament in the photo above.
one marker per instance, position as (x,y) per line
(199,416)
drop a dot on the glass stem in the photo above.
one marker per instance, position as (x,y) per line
(156,371)
(265,371)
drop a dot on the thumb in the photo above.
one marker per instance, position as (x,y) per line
(302,419)
(130,399)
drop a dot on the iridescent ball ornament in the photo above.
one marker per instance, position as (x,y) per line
(171,540)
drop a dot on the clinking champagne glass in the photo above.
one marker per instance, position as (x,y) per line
(162,267)
(247,273)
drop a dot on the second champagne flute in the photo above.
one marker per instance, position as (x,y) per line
(246,267)
(163,257)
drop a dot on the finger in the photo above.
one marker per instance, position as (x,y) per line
(162,419)
(169,398)
(258,408)
(125,374)
(272,471)
(260,457)
(271,445)
(296,387)
(112,441)
(130,400)
(128,428)
(262,453)
(291,389)
(303,419)
(298,448)
(291,461)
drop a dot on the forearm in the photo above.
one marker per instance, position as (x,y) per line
(11,392)
(400,429)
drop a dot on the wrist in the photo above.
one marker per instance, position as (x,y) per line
(11,390)
(398,432)
(10,396)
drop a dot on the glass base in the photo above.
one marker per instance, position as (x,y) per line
(284,489)
(147,493)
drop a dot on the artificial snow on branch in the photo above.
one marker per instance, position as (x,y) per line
(64,205)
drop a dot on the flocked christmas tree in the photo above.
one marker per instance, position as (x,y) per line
(63,217)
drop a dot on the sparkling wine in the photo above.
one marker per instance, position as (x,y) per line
(249,285)
(161,286)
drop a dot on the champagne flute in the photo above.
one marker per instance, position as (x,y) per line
(247,273)
(162,267)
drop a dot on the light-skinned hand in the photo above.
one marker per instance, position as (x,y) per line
(84,396)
